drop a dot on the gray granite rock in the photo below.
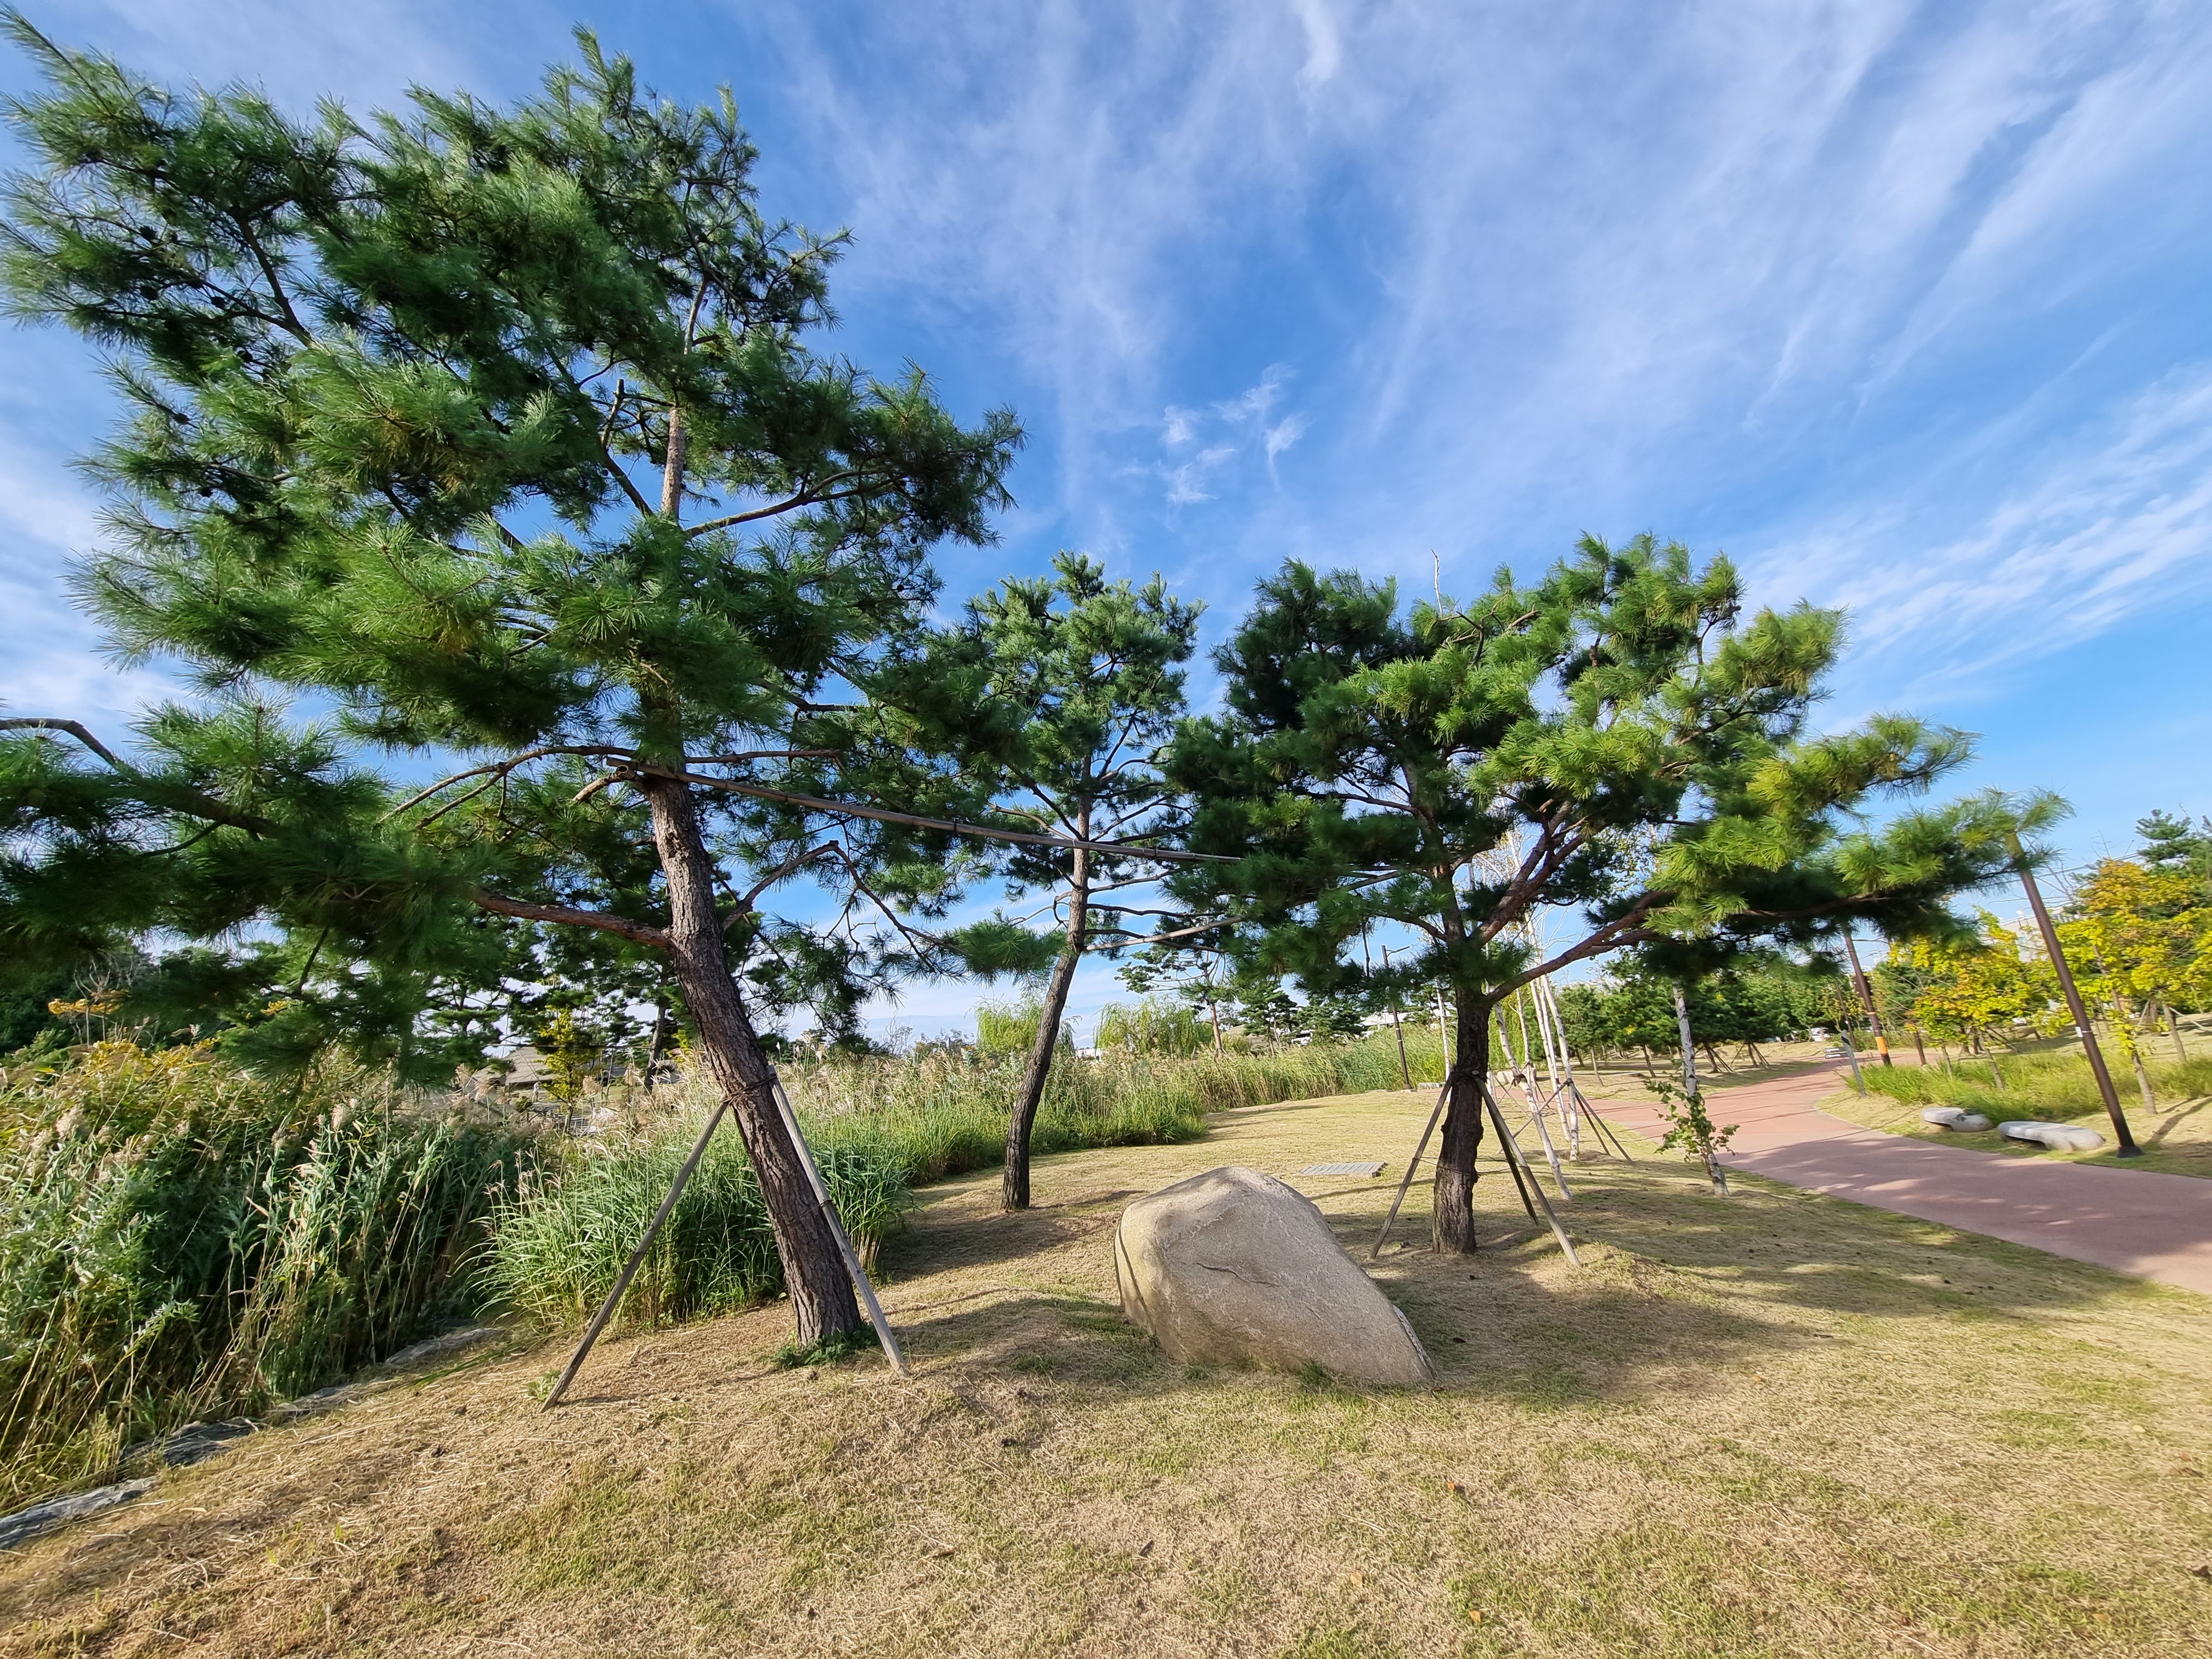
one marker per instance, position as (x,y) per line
(1235,1268)
(24,1525)
(1956,1118)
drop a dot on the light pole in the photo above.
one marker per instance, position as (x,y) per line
(2128,1147)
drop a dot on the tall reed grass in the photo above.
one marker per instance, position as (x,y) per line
(559,1242)
(935,1115)
(179,1241)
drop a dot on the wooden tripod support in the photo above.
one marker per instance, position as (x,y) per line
(1515,1162)
(859,1274)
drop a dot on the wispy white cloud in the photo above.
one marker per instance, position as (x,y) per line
(1324,44)
(1186,484)
(1884,295)
(1548,268)
(2102,528)
(1254,403)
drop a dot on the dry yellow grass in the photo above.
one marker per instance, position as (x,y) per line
(1775,1424)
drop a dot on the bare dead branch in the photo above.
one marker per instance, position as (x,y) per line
(76,729)
(501,769)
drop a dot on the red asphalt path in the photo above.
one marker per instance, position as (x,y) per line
(2154,1226)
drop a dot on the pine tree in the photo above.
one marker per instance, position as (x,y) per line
(494,436)
(1079,679)
(1616,738)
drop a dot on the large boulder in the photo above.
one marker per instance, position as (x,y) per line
(1233,1267)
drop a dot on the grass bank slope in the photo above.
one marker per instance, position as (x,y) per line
(1772,1425)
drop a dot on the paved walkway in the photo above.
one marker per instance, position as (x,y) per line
(2154,1226)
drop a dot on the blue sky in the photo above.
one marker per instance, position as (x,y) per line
(1904,308)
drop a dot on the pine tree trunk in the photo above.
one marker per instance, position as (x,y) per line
(822,1300)
(1452,1207)
(1015,1187)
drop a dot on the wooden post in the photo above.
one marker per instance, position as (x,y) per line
(1512,1149)
(1555,1035)
(860,1275)
(1535,1108)
(636,1256)
(861,1282)
(1406,1179)
(1866,998)
(2128,1147)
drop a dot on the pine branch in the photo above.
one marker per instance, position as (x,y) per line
(637,933)
(192,800)
(883,815)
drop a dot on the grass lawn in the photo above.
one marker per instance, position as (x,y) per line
(1773,1423)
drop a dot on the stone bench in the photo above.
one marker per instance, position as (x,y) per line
(1956,1118)
(2059,1137)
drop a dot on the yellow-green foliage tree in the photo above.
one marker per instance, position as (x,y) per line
(1976,991)
(2140,942)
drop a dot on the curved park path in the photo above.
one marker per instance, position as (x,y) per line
(2154,1226)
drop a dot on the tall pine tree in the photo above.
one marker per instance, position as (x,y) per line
(1081,680)
(494,436)
(1616,741)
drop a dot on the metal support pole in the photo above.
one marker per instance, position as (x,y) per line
(2128,1147)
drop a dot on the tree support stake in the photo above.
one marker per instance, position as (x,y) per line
(859,1274)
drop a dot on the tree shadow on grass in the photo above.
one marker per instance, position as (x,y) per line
(1675,1282)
